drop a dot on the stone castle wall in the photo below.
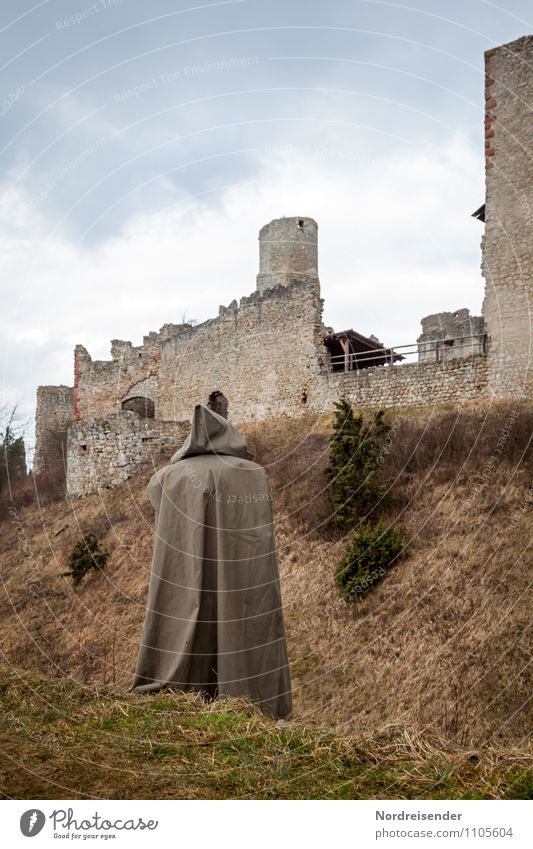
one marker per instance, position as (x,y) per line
(110,449)
(508,242)
(54,412)
(263,355)
(100,386)
(413,384)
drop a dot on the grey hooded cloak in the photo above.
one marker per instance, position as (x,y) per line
(214,620)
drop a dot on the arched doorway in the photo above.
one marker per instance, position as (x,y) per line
(144,407)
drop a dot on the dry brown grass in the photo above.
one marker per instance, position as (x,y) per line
(60,739)
(440,644)
(44,488)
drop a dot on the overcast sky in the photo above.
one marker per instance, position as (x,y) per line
(143,145)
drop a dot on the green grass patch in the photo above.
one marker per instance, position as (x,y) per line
(62,740)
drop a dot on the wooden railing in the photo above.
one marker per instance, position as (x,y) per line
(386,356)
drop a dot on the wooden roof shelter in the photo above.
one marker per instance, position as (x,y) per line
(351,351)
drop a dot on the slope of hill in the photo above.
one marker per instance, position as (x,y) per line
(441,644)
(63,740)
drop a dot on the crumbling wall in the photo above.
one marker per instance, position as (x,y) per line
(451,336)
(109,450)
(263,355)
(54,412)
(508,242)
(145,388)
(100,386)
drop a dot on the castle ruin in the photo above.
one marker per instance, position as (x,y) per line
(270,353)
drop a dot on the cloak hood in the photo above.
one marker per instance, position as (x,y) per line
(211,434)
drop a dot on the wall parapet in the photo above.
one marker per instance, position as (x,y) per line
(413,384)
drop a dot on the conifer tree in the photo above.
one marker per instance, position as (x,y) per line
(353,488)
(12,458)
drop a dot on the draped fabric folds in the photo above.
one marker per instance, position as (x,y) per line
(214,620)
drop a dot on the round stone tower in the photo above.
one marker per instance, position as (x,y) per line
(288,252)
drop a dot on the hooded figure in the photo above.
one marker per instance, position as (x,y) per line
(214,620)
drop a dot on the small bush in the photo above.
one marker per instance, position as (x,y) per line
(85,556)
(370,554)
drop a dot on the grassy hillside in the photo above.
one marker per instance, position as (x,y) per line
(63,740)
(440,646)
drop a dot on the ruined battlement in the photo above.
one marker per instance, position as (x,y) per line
(55,412)
(451,336)
(181,364)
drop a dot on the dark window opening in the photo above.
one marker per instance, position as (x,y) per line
(300,223)
(442,346)
(144,407)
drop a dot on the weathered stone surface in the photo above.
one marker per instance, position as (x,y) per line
(54,412)
(451,336)
(508,242)
(107,451)
(288,252)
(403,385)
